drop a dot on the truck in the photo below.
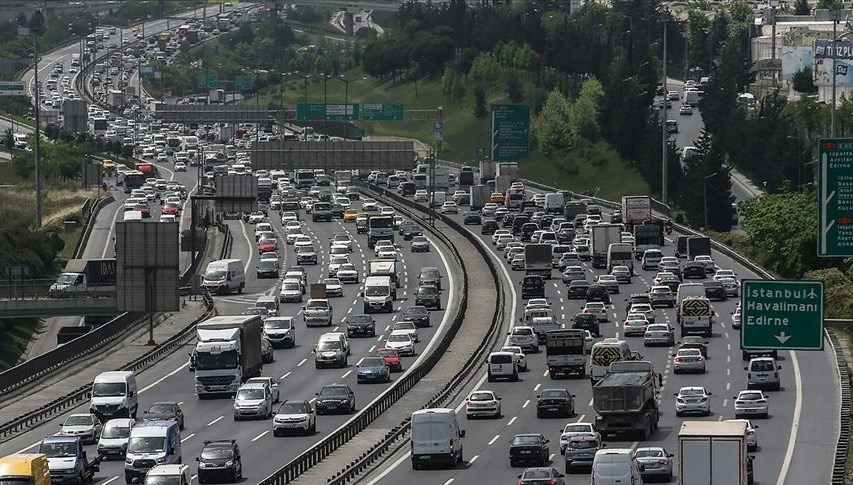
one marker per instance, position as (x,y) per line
(487,170)
(384,267)
(480,196)
(626,399)
(538,259)
(466,177)
(711,452)
(554,203)
(698,246)
(343,179)
(67,460)
(191,36)
(572,208)
(228,353)
(439,178)
(379,227)
(692,97)
(695,315)
(648,235)
(636,209)
(503,183)
(264,189)
(507,169)
(89,278)
(216,96)
(565,353)
(601,237)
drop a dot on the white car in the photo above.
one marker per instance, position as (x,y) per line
(483,403)
(659,334)
(596,308)
(347,273)
(335,262)
(421,196)
(724,273)
(302,241)
(333,287)
(710,266)
(288,216)
(402,342)
(635,324)
(408,327)
(645,309)
(502,241)
(588,341)
(573,430)
(386,211)
(751,433)
(751,403)
(180,167)
(693,400)
(688,360)
(387,253)
(256,218)
(383,245)
(262,227)
(290,291)
(520,358)
(369,205)
(85,425)
(449,207)
(294,415)
(500,233)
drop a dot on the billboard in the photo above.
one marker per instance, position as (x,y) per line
(147,267)
(797,51)
(843,62)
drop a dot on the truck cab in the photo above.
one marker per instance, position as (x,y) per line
(67,459)
(25,469)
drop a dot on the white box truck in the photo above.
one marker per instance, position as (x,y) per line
(601,237)
(228,352)
(712,452)
(554,203)
(480,196)
(487,171)
(636,209)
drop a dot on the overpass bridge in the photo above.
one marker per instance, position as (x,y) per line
(29,298)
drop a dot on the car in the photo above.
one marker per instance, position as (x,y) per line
(731,286)
(489,227)
(382,245)
(524,337)
(588,322)
(306,255)
(418,315)
(517,263)
(335,398)
(370,205)
(688,360)
(267,245)
(724,273)
(558,402)
(736,317)
(86,426)
(622,274)
(598,292)
(707,261)
(267,268)
(655,463)
(373,369)
(291,290)
(527,448)
(644,308)
(164,410)
(360,325)
(409,327)
(335,263)
(421,195)
(483,403)
(347,273)
(350,215)
(577,289)
(180,167)
(280,331)
(692,400)
(220,459)
(428,296)
(635,324)
(661,296)
(685,109)
(520,358)
(341,239)
(751,403)
(420,244)
(763,373)
(580,450)
(410,229)
(472,218)
(391,357)
(290,216)
(695,342)
(573,430)
(609,282)
(262,227)
(496,198)
(449,207)
(596,308)
(693,270)
(751,433)
(269,382)
(659,334)
(294,415)
(256,217)
(333,287)
(541,475)
(714,290)
(402,341)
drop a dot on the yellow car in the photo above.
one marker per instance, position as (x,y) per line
(350,215)
(108,164)
(497,198)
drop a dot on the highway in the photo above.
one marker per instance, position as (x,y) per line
(212,419)
(798,439)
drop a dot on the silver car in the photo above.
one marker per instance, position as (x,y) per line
(692,400)
(86,426)
(655,462)
(688,360)
(658,334)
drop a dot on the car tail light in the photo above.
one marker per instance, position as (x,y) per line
(451,445)
(663,462)
(520,482)
(564,401)
(679,400)
(678,359)
(750,432)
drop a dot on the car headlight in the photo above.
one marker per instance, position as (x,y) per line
(161,459)
(229,463)
(202,464)
(128,461)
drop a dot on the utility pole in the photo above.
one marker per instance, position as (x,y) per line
(664,144)
(773,43)
(37,153)
(834,74)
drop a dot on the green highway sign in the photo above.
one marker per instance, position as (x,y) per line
(326,112)
(835,197)
(12,88)
(480,153)
(146,72)
(382,111)
(510,132)
(242,83)
(782,315)
(208,81)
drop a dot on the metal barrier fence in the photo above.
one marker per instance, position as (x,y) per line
(90,215)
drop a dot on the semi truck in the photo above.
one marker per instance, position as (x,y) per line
(466,177)
(636,209)
(487,170)
(626,399)
(698,246)
(538,259)
(228,352)
(565,353)
(712,452)
(601,237)
(264,189)
(572,208)
(90,278)
(480,196)
(695,315)
(502,184)
(379,227)
(648,235)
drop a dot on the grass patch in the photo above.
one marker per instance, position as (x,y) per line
(70,239)
(16,336)
(7,174)
(18,119)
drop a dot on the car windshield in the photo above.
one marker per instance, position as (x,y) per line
(404,326)
(750,396)
(250,394)
(116,432)
(526,440)
(554,393)
(216,453)
(108,389)
(215,275)
(373,362)
(290,286)
(399,337)
(360,319)
(648,454)
(522,331)
(530,474)
(327,345)
(146,444)
(481,396)
(332,282)
(161,408)
(377,291)
(283,324)
(763,366)
(334,392)
(293,408)
(427,290)
(576,428)
(57,450)
(78,421)
(346,267)
(318,305)
(162,480)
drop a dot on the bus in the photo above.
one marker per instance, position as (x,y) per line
(133,180)
(606,352)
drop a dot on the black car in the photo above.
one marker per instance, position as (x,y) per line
(361,325)
(410,229)
(693,270)
(557,402)
(430,275)
(165,410)
(532,286)
(338,210)
(527,231)
(472,218)
(419,315)
(714,290)
(267,268)
(429,297)
(587,321)
(336,398)
(489,227)
(529,448)
(597,292)
(361,226)
(220,461)
(290,205)
(577,289)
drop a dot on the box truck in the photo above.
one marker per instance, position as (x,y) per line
(636,209)
(712,452)
(480,196)
(228,352)
(86,278)
(601,237)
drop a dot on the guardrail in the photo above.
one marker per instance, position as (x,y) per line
(89,218)
(379,405)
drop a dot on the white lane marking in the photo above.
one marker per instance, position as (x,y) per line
(634,445)
(551,456)
(187,437)
(590,403)
(28,448)
(110,480)
(725,402)
(284,376)
(472,460)
(580,419)
(379,339)
(301,362)
(372,348)
(256,438)
(525,404)
(346,374)
(512,420)
(536,388)
(359,362)
(312,399)
(215,421)
(387,327)
(110,234)
(795,421)
(448,482)
(728,386)
(492,441)
(158,381)
(728,372)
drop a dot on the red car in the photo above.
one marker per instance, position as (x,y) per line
(146,212)
(392,358)
(170,208)
(267,246)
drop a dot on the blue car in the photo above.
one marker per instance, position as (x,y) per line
(373,369)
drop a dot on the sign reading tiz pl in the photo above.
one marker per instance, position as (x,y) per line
(782,315)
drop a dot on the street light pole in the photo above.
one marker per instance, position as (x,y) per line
(325,107)
(705,195)
(664,144)
(834,72)
(346,82)
(36,151)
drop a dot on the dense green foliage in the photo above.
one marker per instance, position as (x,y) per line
(62,160)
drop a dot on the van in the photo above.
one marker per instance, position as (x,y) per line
(379,293)
(113,440)
(616,466)
(685,290)
(151,443)
(436,438)
(25,468)
(502,366)
(225,276)
(763,373)
(651,259)
(114,395)
(270,303)
(331,350)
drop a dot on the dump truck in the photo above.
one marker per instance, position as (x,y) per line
(538,259)
(480,196)
(565,353)
(712,452)
(228,353)
(626,399)
(601,237)
(636,209)
(648,235)
(86,278)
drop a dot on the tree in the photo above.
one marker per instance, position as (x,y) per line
(479,101)
(551,128)
(8,139)
(804,82)
(585,111)
(513,89)
(802,8)
(484,70)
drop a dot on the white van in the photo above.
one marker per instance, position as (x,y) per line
(151,443)
(114,395)
(615,466)
(763,373)
(225,276)
(132,216)
(113,440)
(379,293)
(696,290)
(436,438)
(502,366)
